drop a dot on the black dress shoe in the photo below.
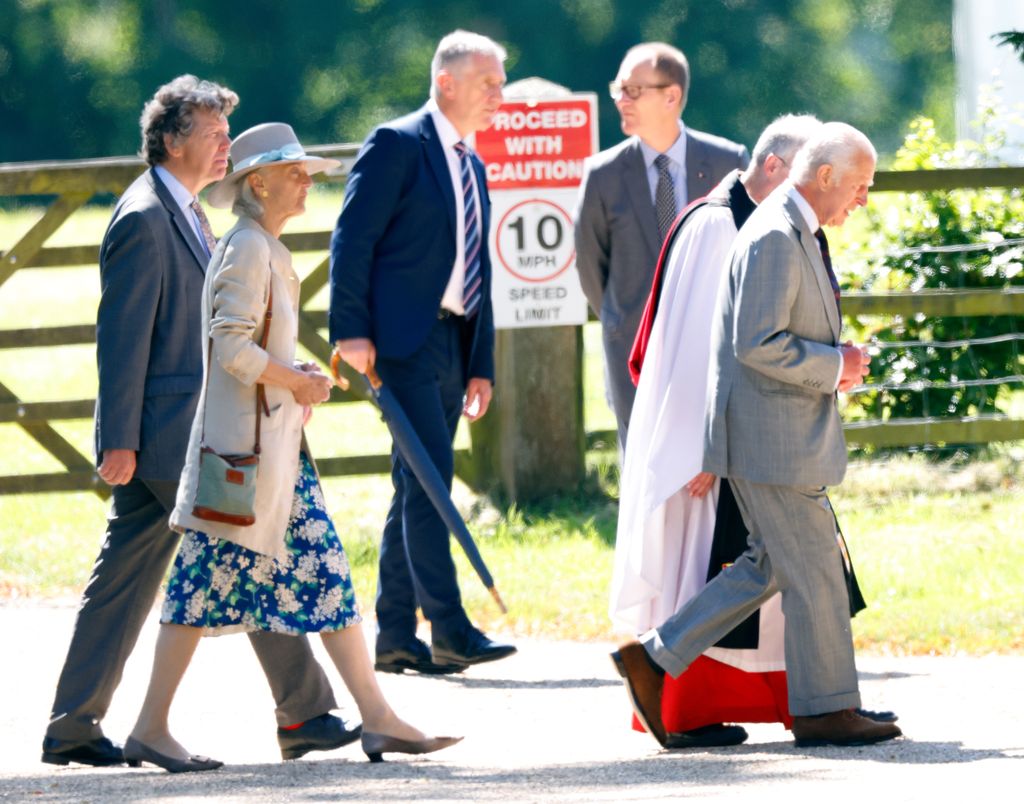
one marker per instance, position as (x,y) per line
(99,753)
(414,656)
(713,736)
(323,733)
(469,647)
(878,717)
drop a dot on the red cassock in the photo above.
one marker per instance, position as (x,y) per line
(713,692)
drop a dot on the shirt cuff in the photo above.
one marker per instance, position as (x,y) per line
(839,374)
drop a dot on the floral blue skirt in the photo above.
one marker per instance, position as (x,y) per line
(223,587)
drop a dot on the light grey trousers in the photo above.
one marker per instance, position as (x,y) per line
(792,548)
(126,577)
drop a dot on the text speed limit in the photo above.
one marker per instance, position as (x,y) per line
(535,240)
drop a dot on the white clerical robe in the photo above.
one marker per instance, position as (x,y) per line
(663,539)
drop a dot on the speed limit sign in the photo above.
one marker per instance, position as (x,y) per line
(534,153)
(534,240)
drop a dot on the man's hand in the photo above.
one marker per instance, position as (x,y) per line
(360,353)
(117,466)
(700,485)
(855,365)
(478,398)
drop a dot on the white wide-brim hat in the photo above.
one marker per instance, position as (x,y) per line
(261,146)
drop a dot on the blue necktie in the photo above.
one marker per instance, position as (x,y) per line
(471,295)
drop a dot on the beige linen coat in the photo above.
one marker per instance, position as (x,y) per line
(245,262)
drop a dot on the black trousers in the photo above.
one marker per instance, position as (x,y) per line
(138,547)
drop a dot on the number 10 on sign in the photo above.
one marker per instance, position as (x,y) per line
(535,240)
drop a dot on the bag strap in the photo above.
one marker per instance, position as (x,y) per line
(261,393)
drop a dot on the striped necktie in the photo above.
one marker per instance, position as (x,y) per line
(827,259)
(204,223)
(471,288)
(664,196)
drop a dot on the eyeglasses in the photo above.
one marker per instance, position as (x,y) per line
(632,91)
(783,161)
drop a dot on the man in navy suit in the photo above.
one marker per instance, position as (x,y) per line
(410,296)
(149,350)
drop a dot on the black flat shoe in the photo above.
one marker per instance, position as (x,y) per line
(470,647)
(100,753)
(415,657)
(137,752)
(714,736)
(375,745)
(323,733)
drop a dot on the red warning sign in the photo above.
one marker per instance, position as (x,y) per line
(538,144)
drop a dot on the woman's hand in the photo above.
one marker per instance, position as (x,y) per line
(700,485)
(311,386)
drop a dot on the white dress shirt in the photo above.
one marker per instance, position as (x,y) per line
(452,298)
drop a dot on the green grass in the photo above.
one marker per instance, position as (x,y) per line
(937,546)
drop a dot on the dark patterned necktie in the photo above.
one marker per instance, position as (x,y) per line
(664,196)
(827,259)
(471,288)
(204,223)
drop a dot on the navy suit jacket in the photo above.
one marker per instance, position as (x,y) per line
(149,337)
(393,248)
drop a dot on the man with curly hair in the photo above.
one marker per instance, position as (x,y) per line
(149,349)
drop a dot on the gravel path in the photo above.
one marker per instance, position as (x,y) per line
(550,724)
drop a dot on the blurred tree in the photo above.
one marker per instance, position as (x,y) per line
(75,73)
(1014,39)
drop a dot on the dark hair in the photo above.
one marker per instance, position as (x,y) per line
(170,112)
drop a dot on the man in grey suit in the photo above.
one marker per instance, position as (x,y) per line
(631,194)
(772,427)
(149,347)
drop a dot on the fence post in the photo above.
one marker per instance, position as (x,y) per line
(531,443)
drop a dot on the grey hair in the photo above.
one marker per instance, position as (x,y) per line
(458,46)
(835,144)
(245,202)
(783,137)
(170,110)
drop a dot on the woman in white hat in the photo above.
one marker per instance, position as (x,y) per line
(286,572)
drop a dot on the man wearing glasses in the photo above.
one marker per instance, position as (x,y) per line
(630,195)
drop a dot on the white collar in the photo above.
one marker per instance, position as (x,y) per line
(805,208)
(446,131)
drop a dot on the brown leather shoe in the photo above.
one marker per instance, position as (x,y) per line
(844,727)
(644,682)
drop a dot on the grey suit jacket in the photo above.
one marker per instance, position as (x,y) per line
(617,240)
(771,412)
(149,336)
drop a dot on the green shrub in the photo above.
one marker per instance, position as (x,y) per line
(903,229)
